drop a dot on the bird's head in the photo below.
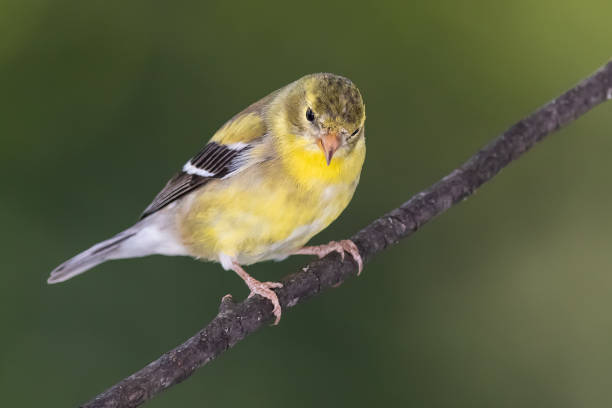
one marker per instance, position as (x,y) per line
(325,112)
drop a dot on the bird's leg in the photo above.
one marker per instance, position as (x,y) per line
(263,289)
(346,245)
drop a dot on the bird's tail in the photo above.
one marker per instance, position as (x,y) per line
(101,252)
(155,234)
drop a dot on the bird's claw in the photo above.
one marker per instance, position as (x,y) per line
(264,289)
(350,247)
(345,245)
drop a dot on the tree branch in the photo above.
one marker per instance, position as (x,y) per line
(236,321)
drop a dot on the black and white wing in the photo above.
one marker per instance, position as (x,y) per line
(215,161)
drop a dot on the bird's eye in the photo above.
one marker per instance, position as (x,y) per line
(309,115)
(355,132)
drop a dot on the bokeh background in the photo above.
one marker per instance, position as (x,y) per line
(503,301)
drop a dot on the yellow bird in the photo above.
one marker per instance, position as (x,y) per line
(270,179)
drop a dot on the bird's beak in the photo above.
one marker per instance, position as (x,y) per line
(329,142)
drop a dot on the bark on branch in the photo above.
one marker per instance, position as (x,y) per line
(235,321)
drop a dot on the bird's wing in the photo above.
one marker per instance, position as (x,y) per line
(231,150)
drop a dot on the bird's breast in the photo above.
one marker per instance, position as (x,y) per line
(263,213)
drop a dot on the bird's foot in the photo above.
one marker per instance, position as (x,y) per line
(346,245)
(264,289)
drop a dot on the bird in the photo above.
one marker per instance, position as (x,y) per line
(268,180)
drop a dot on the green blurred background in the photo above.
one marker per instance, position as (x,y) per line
(503,301)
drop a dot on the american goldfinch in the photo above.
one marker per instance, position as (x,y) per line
(270,178)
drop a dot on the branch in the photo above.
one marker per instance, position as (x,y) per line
(236,321)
